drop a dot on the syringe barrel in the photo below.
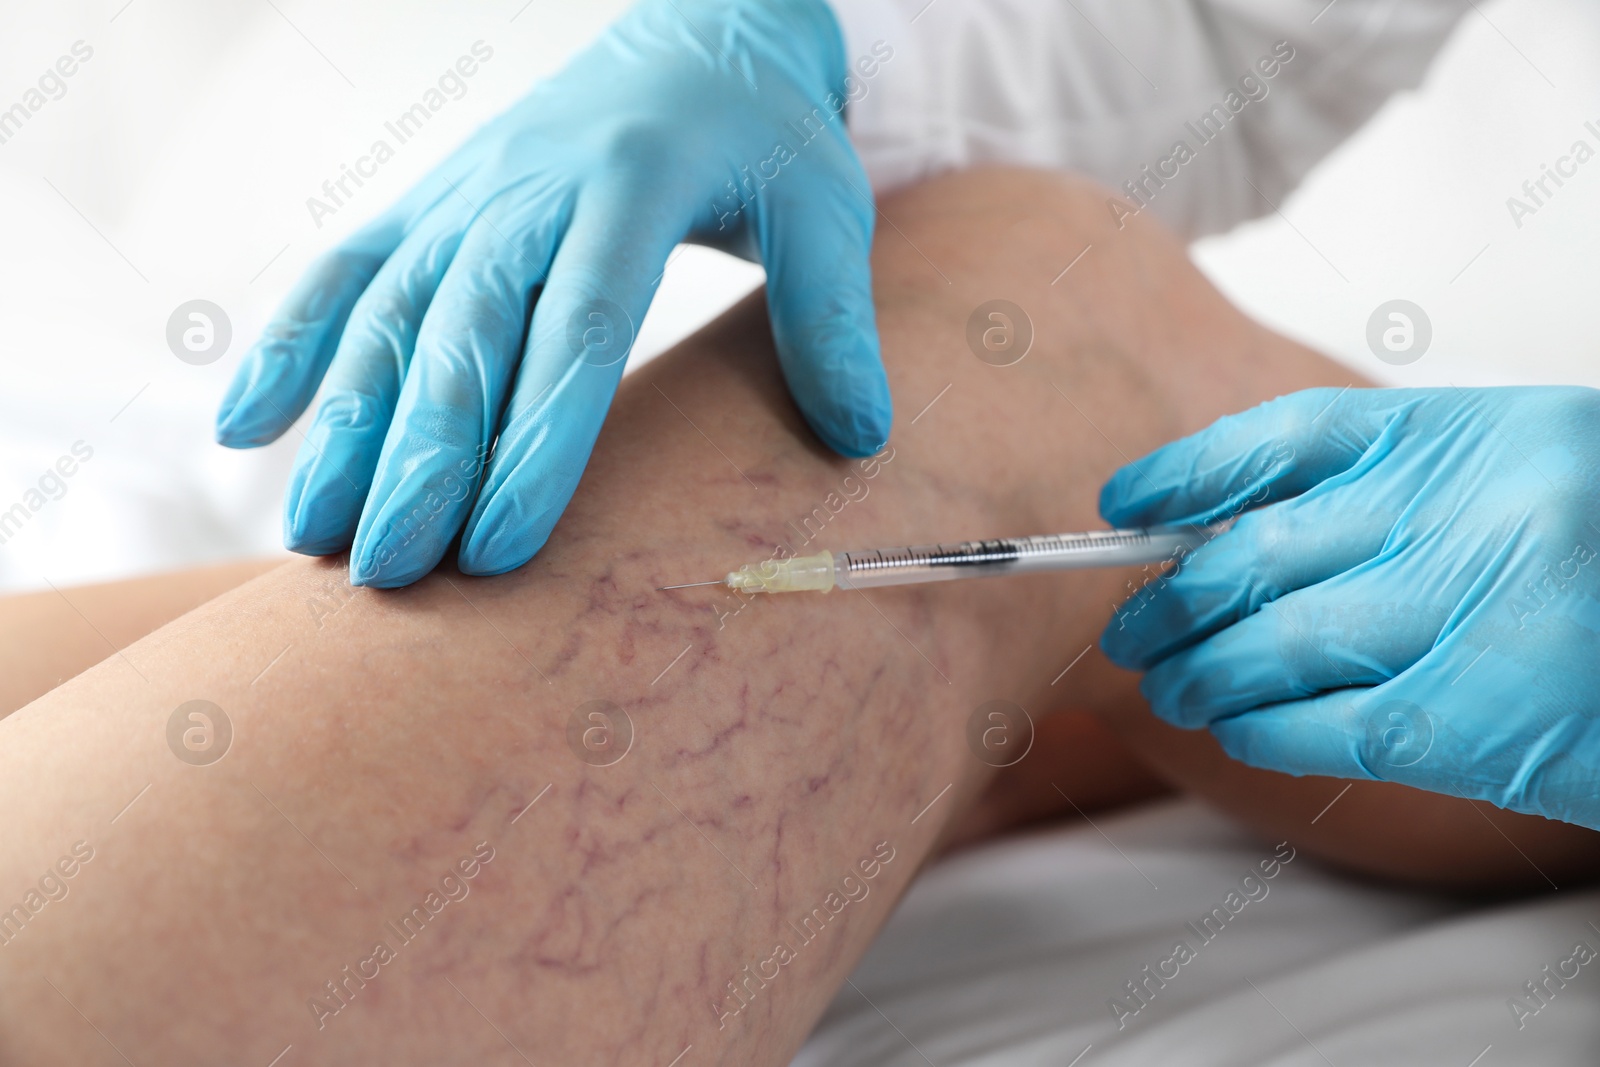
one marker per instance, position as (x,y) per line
(872,568)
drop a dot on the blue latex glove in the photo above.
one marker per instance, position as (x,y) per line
(1418,600)
(716,120)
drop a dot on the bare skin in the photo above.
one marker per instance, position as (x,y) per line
(788,755)
(46,638)
(52,636)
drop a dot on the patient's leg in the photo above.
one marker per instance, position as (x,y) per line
(48,637)
(1076,766)
(409,769)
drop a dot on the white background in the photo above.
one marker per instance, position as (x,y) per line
(178,163)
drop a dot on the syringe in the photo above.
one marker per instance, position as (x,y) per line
(875,567)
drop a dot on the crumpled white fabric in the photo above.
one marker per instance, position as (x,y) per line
(1106,87)
(1009,955)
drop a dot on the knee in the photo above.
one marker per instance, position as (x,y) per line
(985,191)
(1043,252)
(1011,233)
(978,215)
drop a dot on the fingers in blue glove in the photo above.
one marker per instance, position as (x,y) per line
(280,373)
(1267,554)
(1340,634)
(1385,732)
(467,347)
(1336,734)
(1402,731)
(815,236)
(1271,452)
(584,325)
(333,471)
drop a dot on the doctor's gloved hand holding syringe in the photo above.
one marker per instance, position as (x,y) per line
(1417,600)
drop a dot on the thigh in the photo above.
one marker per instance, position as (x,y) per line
(50,636)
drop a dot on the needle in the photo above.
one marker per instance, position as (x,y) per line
(689,585)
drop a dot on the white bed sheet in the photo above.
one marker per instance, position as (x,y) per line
(1009,956)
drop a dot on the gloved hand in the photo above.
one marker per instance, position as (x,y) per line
(712,119)
(1418,600)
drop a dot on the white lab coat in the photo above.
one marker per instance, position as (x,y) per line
(1109,88)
